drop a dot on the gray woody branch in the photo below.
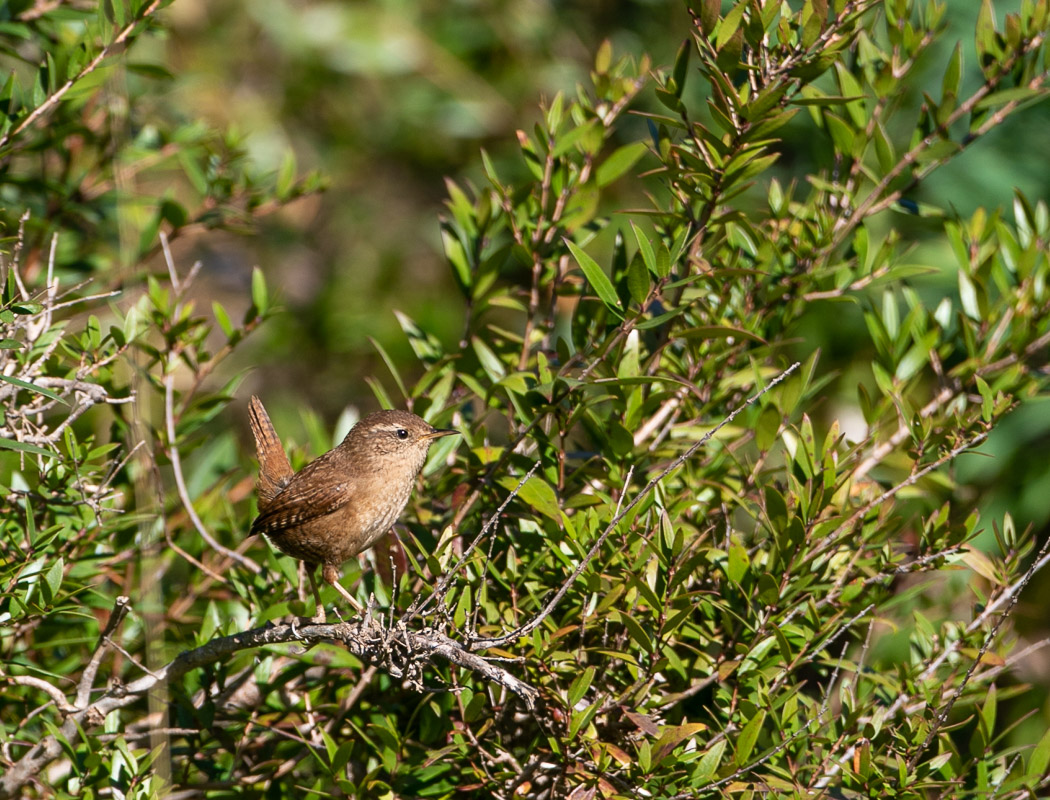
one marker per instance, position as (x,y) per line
(401,652)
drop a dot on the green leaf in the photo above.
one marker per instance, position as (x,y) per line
(24,447)
(286,174)
(842,135)
(645,247)
(562,143)
(709,762)
(1040,760)
(737,564)
(53,577)
(33,388)
(621,160)
(637,280)
(597,278)
(950,82)
(536,493)
(392,366)
(425,345)
(884,148)
(222,318)
(746,743)
(490,362)
(635,631)
(260,298)
(1017,94)
(727,28)
(988,712)
(681,66)
(580,686)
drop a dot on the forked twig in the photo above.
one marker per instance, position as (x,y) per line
(420,604)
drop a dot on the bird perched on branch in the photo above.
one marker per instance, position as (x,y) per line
(339,504)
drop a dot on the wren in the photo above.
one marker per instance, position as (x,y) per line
(339,504)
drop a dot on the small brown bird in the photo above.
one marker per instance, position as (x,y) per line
(339,504)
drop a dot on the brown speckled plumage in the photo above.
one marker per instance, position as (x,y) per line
(338,505)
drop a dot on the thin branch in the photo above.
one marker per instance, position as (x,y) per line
(90,67)
(180,481)
(121,607)
(419,604)
(52,691)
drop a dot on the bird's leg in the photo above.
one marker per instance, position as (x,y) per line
(331,576)
(319,615)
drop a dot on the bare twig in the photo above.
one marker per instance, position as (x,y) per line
(121,607)
(118,41)
(419,604)
(52,691)
(180,481)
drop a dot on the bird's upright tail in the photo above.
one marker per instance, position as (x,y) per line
(274,469)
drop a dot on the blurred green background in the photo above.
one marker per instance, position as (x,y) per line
(389,98)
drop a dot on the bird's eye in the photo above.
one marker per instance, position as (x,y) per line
(402,433)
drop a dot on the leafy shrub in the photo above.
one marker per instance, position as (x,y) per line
(657,564)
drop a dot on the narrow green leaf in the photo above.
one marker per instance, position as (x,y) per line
(390,365)
(286,174)
(884,149)
(597,278)
(618,162)
(950,82)
(727,28)
(260,298)
(637,280)
(222,318)
(681,66)
(988,711)
(33,388)
(1040,760)
(536,493)
(580,686)
(645,247)
(11,444)
(54,577)
(490,362)
(738,563)
(564,142)
(710,760)
(636,632)
(746,743)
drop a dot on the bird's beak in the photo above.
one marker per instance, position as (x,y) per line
(437,433)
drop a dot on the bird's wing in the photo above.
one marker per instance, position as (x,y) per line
(316,490)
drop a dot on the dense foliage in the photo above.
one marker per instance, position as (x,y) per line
(678,551)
